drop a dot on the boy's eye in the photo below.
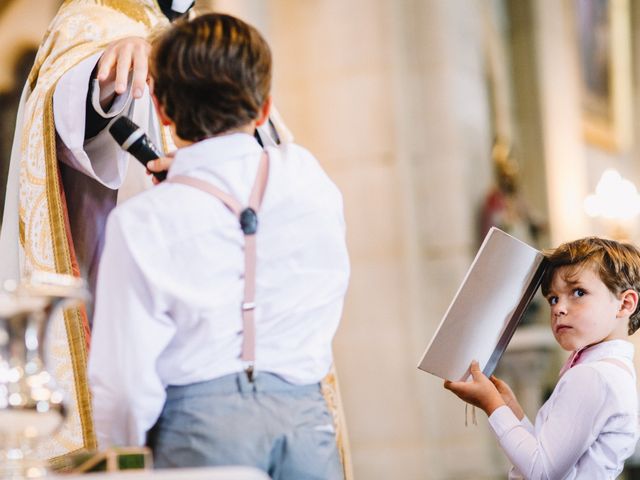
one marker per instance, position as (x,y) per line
(552,300)
(578,292)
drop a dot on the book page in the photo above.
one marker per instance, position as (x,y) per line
(485,307)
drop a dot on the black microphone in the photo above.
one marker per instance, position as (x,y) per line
(133,139)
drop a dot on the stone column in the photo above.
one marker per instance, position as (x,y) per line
(557,75)
(446,142)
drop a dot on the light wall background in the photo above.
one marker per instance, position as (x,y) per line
(400,101)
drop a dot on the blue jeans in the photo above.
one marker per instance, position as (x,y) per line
(283,429)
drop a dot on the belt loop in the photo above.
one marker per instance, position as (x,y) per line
(245,385)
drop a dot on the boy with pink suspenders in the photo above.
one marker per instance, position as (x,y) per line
(221,289)
(589,425)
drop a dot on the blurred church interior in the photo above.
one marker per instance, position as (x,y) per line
(437,119)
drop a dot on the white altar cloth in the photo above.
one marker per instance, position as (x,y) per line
(213,473)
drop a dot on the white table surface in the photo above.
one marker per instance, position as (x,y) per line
(211,473)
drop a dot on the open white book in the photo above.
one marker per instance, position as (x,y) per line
(487,308)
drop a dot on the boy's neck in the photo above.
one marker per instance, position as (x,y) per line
(248,128)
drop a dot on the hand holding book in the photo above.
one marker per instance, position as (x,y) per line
(480,391)
(508,396)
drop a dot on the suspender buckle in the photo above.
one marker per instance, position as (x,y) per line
(246,306)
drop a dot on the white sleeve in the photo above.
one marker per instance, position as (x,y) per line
(99,157)
(130,330)
(514,473)
(526,423)
(572,425)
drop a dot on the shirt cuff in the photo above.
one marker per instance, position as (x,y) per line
(502,420)
(119,103)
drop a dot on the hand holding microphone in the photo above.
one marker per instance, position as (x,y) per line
(159,166)
(133,139)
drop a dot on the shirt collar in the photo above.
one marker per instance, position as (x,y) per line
(181,6)
(611,348)
(209,153)
(173,9)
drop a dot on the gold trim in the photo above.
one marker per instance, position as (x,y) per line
(331,392)
(63,262)
(41,57)
(31,253)
(35,180)
(21,236)
(157,6)
(61,462)
(134,9)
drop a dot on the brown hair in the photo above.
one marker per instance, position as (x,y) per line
(211,74)
(617,264)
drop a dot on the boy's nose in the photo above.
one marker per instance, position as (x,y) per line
(559,309)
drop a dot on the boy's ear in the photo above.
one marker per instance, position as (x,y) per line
(629,300)
(164,119)
(264,111)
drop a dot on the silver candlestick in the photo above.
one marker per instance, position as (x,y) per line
(31,403)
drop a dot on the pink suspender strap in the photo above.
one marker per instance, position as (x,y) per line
(249,224)
(619,363)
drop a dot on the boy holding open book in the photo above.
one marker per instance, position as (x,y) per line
(588,427)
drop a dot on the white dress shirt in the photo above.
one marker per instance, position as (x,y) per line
(587,428)
(171,282)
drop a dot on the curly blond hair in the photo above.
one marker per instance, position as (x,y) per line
(617,265)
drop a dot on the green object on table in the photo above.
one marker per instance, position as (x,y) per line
(110,460)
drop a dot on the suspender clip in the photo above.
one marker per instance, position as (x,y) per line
(249,221)
(249,371)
